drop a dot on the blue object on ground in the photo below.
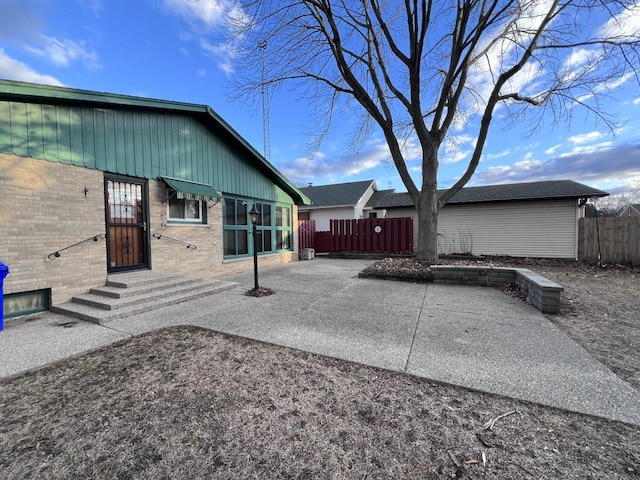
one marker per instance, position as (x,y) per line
(4,271)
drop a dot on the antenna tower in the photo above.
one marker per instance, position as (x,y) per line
(262,46)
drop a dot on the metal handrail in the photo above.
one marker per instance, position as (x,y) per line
(159,236)
(95,238)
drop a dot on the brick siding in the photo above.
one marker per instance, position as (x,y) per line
(43,208)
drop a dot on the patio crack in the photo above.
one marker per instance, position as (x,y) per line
(131,335)
(415,330)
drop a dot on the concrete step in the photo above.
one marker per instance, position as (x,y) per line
(138,278)
(100,309)
(145,296)
(117,290)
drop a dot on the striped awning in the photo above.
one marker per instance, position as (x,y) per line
(191,190)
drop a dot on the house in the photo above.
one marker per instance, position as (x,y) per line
(93,184)
(344,201)
(536,219)
(632,210)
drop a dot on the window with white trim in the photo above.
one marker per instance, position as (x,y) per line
(283,228)
(184,210)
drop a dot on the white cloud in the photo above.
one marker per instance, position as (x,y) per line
(528,146)
(204,19)
(604,87)
(585,137)
(551,150)
(335,167)
(504,52)
(615,82)
(62,52)
(624,25)
(224,54)
(636,101)
(493,156)
(579,58)
(94,5)
(455,157)
(12,69)
(608,166)
(527,164)
(588,148)
(200,13)
(453,148)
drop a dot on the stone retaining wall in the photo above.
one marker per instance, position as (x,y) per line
(544,294)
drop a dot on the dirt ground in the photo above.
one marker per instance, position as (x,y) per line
(190,403)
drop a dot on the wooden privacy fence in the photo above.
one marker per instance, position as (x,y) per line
(324,242)
(612,240)
(306,234)
(373,235)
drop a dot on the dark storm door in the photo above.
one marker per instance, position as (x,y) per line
(126,217)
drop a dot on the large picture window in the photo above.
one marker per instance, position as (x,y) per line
(273,233)
(184,210)
(236,233)
(283,228)
(264,228)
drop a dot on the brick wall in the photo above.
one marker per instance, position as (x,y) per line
(206,261)
(43,208)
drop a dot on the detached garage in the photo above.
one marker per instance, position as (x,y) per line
(537,219)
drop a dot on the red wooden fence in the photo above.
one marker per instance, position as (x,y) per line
(369,235)
(324,242)
(373,235)
(306,234)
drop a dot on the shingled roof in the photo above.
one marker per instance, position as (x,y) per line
(338,195)
(553,189)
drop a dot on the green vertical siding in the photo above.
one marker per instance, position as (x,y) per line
(135,143)
(19,137)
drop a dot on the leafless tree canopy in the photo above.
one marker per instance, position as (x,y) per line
(418,69)
(614,205)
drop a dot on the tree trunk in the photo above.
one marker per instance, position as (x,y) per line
(427,207)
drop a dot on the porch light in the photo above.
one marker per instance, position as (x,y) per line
(254,215)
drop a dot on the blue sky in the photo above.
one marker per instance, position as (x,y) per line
(170,49)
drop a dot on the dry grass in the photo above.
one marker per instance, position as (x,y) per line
(191,403)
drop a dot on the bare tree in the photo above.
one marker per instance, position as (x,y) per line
(614,205)
(420,69)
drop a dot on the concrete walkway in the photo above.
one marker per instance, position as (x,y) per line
(469,336)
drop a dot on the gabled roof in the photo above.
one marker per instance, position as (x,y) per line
(29,92)
(634,206)
(553,189)
(337,195)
